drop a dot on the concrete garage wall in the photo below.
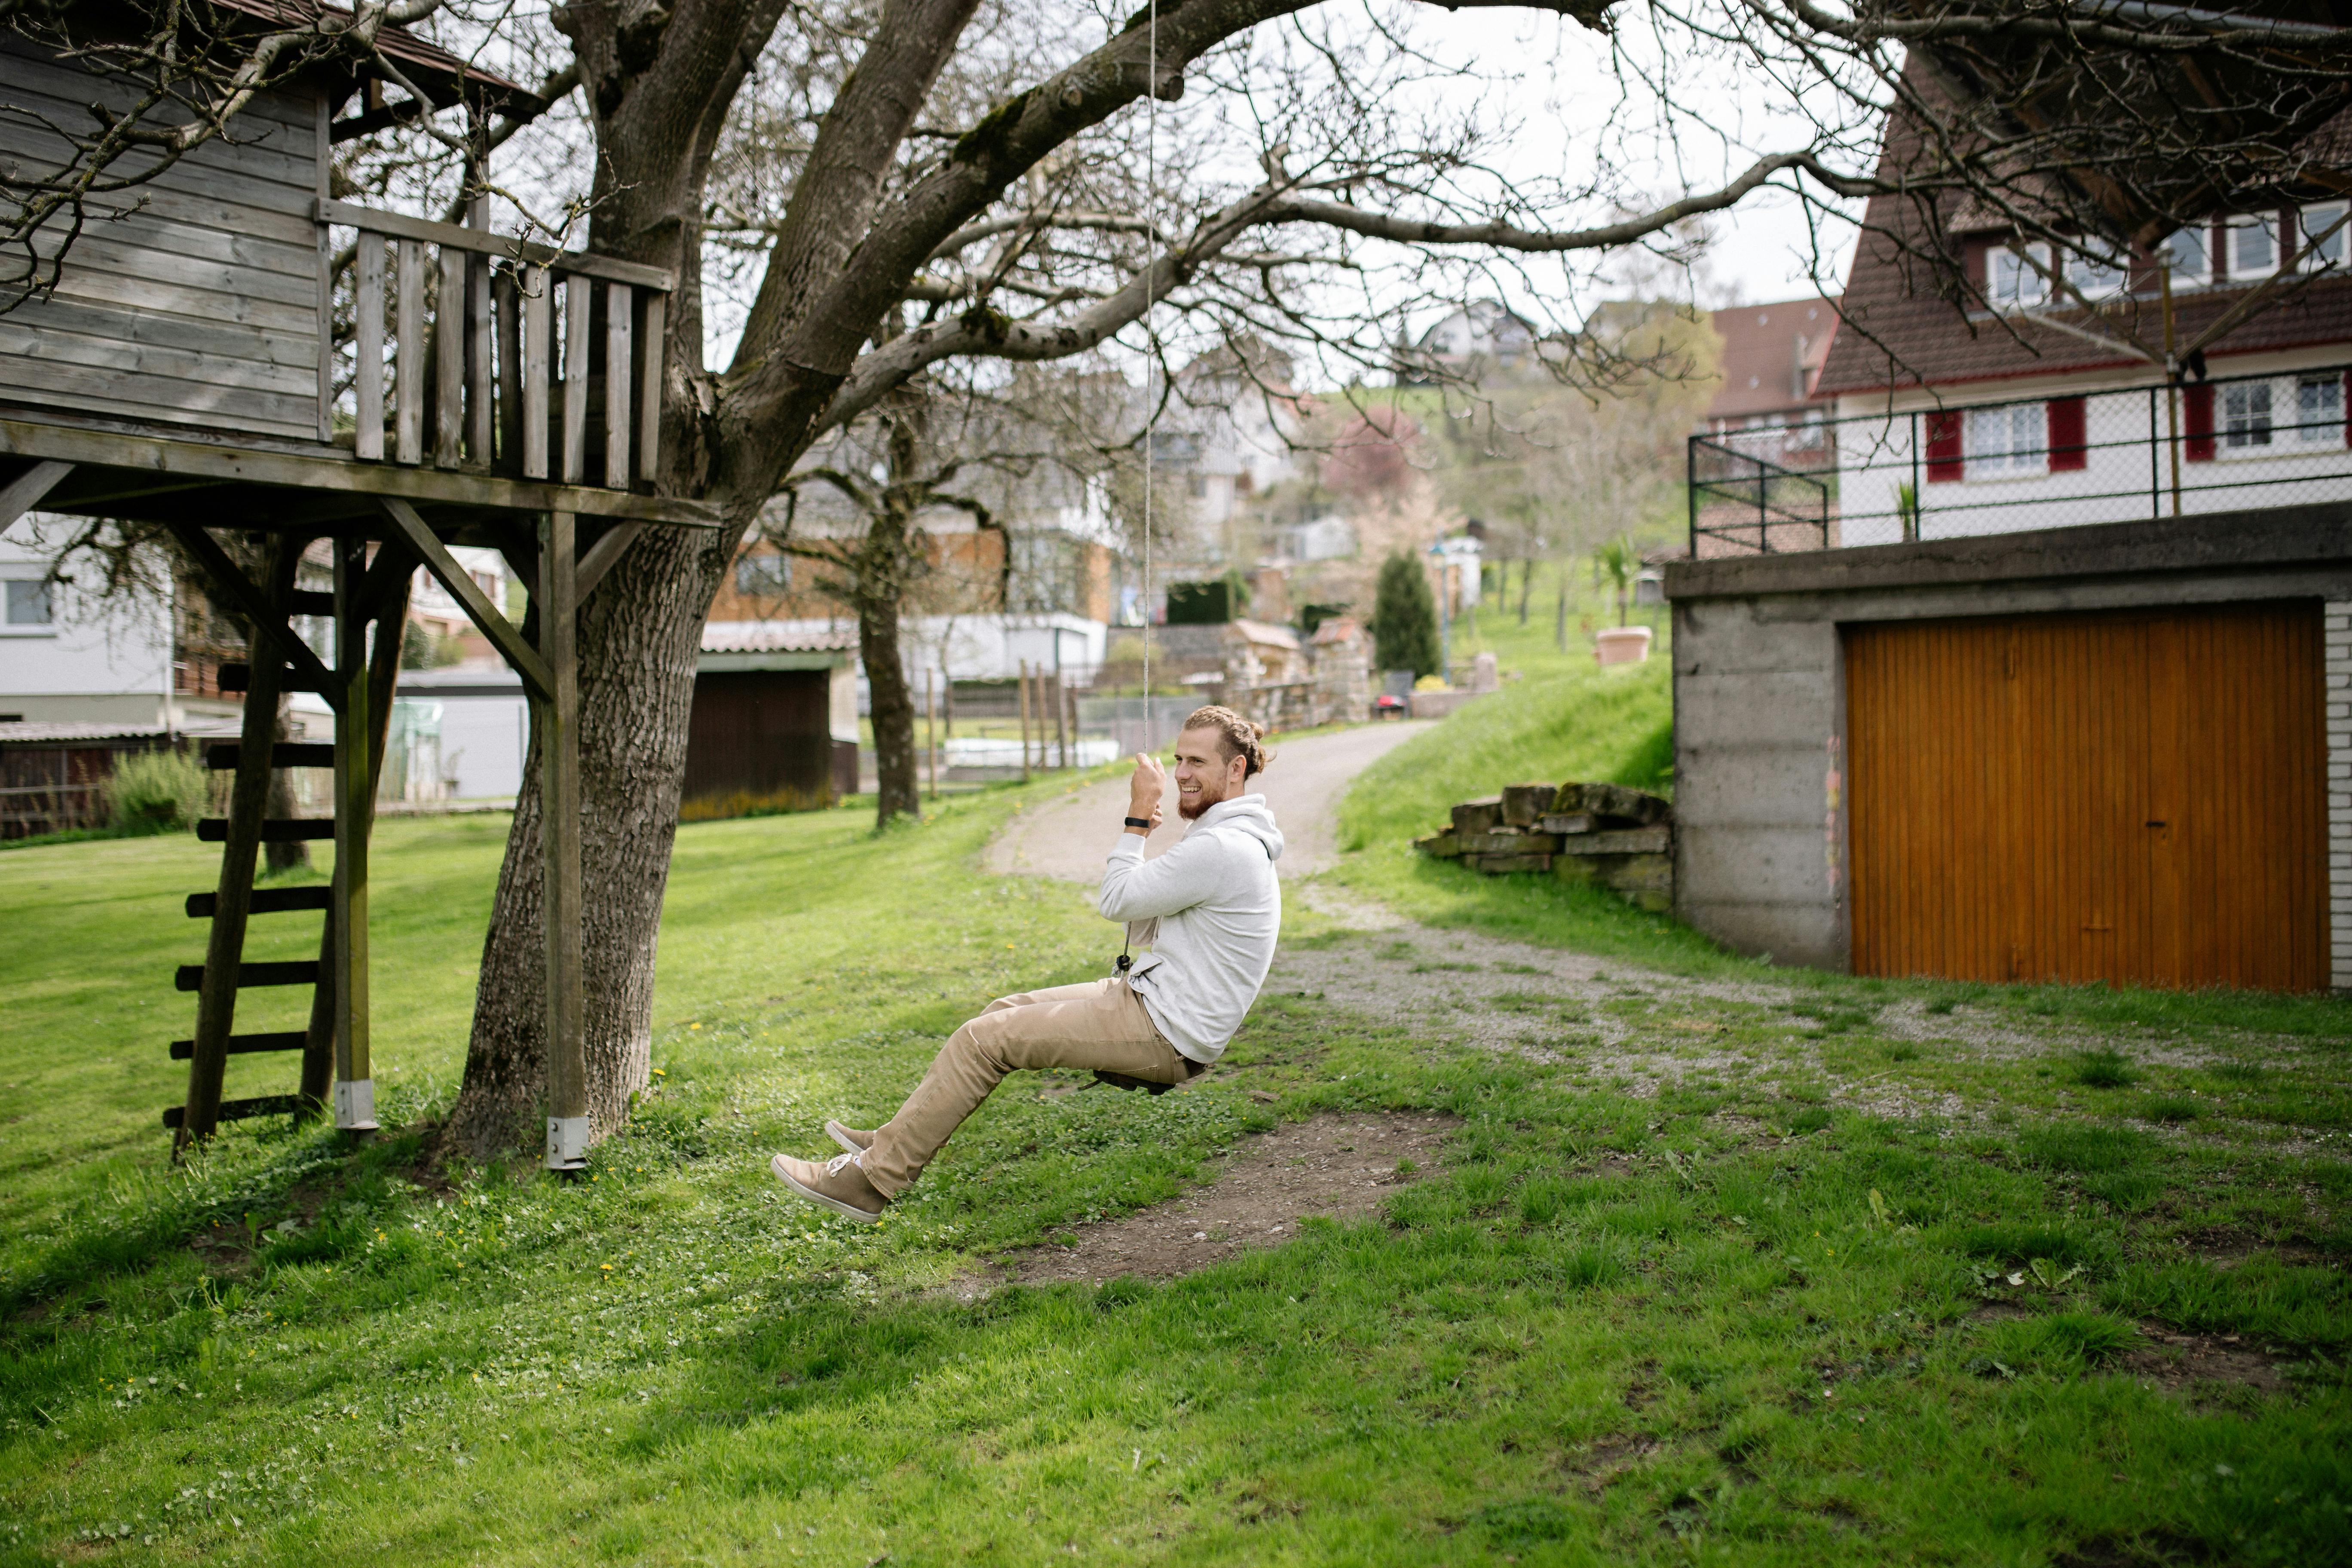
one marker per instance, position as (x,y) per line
(1759,706)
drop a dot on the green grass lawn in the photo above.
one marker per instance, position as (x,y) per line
(1742,1317)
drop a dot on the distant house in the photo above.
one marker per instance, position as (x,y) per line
(774,725)
(2028,408)
(1478,342)
(68,659)
(1772,358)
(2034,670)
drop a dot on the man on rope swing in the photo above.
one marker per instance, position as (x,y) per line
(1210,908)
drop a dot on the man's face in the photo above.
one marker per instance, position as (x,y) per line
(1204,774)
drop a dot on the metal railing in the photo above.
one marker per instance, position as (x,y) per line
(2224,444)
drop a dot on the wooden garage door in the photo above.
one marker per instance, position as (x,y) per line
(2137,798)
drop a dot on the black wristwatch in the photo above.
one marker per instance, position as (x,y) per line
(1139,822)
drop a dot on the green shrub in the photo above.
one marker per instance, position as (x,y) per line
(155,792)
(2171,1108)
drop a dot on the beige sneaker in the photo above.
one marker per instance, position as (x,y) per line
(849,1138)
(838,1185)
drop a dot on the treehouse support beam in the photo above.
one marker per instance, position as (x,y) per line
(347,907)
(556,717)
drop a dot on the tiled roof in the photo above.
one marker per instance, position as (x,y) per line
(1765,348)
(736,636)
(413,54)
(41,733)
(1265,632)
(1904,323)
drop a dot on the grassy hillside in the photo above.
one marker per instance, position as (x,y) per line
(1564,719)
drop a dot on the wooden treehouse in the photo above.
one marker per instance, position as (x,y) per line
(184,367)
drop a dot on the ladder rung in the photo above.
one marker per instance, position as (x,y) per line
(238,1109)
(247,1045)
(287,972)
(221,755)
(265,900)
(239,678)
(309,602)
(276,830)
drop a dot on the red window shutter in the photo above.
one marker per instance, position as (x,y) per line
(1944,455)
(2197,403)
(2068,448)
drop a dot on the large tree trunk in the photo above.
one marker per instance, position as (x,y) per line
(657,82)
(893,704)
(639,633)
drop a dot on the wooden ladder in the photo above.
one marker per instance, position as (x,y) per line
(241,834)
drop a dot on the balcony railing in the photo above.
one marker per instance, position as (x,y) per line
(2224,444)
(478,351)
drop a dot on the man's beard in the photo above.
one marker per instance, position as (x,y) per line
(1190,811)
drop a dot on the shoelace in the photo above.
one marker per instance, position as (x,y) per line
(839,1163)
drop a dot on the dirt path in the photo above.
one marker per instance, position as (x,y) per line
(1068,839)
(1331,1166)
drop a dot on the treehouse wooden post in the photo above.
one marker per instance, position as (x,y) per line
(348,911)
(556,716)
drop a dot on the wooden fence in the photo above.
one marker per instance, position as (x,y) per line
(480,351)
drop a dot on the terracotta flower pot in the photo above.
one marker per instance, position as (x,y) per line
(1622,645)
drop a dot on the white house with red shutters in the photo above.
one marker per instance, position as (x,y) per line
(2031,410)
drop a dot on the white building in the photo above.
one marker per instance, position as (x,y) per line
(66,658)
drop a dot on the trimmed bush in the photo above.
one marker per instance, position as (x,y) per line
(155,792)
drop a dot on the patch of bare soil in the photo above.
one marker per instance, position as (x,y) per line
(1331,1166)
(2176,1362)
(1606,1461)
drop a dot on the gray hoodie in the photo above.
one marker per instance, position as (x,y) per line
(1219,910)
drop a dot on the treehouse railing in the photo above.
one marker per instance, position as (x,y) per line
(481,353)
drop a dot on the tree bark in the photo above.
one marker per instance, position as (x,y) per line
(639,635)
(893,703)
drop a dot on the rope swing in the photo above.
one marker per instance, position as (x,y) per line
(1150,333)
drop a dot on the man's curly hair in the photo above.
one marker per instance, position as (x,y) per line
(1236,736)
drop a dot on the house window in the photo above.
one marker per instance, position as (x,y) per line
(2003,442)
(28,602)
(2322,240)
(2319,411)
(763,577)
(2188,252)
(2246,416)
(2015,278)
(2253,246)
(2095,277)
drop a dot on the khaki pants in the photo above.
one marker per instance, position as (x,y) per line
(1101,1024)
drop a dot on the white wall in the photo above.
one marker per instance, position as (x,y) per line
(92,663)
(2127,475)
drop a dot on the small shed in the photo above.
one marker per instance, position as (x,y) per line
(53,777)
(775,728)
